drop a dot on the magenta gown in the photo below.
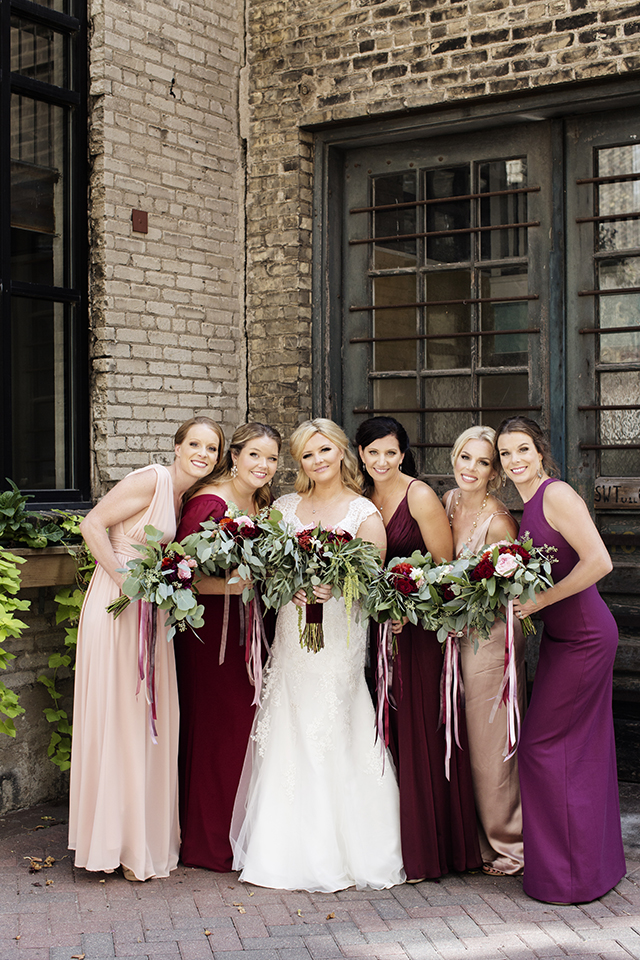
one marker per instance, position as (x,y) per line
(437,818)
(216,714)
(573,849)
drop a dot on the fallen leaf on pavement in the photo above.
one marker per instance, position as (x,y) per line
(331,916)
(207,933)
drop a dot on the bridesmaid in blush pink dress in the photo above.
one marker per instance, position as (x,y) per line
(216,699)
(478,518)
(123,805)
(568,779)
(437,816)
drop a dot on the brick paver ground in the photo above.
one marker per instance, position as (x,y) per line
(60,913)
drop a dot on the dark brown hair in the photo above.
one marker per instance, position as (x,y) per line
(242,435)
(534,432)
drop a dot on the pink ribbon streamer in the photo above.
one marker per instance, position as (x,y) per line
(451,697)
(383,682)
(508,692)
(256,638)
(147,636)
(225,621)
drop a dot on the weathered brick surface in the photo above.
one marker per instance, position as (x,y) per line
(319,61)
(166,306)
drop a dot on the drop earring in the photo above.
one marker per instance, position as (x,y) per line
(503,479)
(234,471)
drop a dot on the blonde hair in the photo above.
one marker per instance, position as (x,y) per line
(349,472)
(480,432)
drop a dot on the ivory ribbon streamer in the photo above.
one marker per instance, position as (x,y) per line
(225,620)
(147,636)
(383,681)
(508,692)
(451,697)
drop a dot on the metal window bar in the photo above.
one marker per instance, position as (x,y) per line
(444,303)
(377,410)
(433,200)
(609,406)
(614,178)
(609,446)
(609,218)
(599,331)
(447,233)
(445,336)
(607,292)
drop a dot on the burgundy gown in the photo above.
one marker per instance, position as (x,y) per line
(215,718)
(437,817)
(567,759)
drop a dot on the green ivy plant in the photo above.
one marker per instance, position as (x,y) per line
(69,604)
(10,626)
(20,527)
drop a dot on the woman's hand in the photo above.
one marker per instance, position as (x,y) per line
(397,626)
(530,608)
(321,593)
(217,586)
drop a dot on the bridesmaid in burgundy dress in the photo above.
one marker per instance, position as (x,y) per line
(568,780)
(216,710)
(437,816)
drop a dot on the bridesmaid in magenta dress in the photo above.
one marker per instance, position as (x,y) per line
(216,710)
(568,779)
(437,816)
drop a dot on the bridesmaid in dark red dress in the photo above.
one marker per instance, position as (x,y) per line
(216,710)
(437,816)
(573,849)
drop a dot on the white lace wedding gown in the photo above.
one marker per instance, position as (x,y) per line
(315,810)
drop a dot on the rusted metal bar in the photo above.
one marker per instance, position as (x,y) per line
(444,336)
(377,410)
(600,330)
(445,233)
(405,204)
(607,292)
(443,303)
(609,218)
(616,178)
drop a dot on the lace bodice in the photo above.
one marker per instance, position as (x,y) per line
(358,511)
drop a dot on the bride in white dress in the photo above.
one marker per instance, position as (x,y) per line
(316,808)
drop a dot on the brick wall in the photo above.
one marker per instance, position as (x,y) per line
(318,61)
(166,310)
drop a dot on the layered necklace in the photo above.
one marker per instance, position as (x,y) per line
(478,515)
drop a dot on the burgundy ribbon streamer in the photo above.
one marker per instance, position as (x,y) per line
(313,612)
(508,692)
(147,637)
(451,697)
(225,621)
(383,682)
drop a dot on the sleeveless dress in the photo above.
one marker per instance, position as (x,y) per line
(495,781)
(316,809)
(437,816)
(216,713)
(123,804)
(572,837)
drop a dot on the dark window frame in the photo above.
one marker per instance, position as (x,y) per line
(73,97)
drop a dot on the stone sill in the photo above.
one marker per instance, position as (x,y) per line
(46,567)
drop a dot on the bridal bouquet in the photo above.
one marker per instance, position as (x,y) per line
(161,579)
(320,556)
(402,589)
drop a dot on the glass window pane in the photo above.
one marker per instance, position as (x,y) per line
(38,151)
(455,352)
(450,215)
(497,176)
(397,322)
(398,189)
(39,52)
(620,426)
(41,387)
(510,349)
(616,198)
(398,397)
(445,393)
(508,392)
(620,310)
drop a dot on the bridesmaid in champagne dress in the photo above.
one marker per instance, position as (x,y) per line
(568,779)
(437,816)
(216,698)
(478,518)
(123,805)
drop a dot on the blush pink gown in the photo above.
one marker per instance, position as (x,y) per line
(123,804)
